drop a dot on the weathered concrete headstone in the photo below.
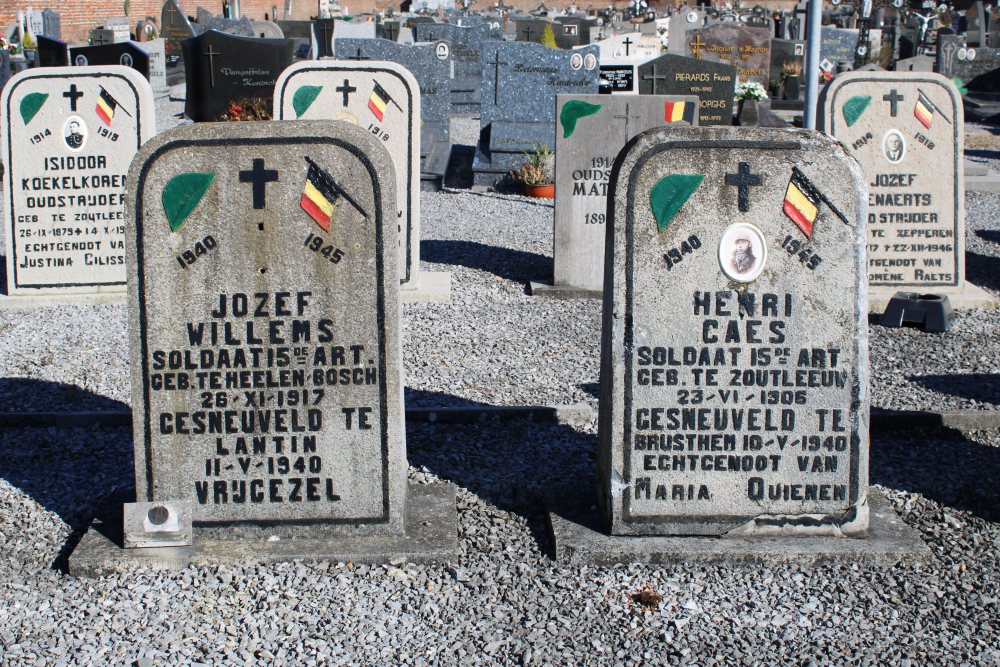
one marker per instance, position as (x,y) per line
(126,54)
(591,131)
(383,99)
(432,74)
(249,243)
(907,131)
(713,83)
(51,23)
(69,134)
(221,68)
(747,49)
(156,49)
(520,84)
(742,409)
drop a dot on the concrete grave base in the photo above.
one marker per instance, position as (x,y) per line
(433,287)
(969,297)
(431,536)
(16,302)
(563,291)
(579,538)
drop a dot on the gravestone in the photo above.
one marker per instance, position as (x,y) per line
(51,52)
(322,35)
(267,30)
(572,31)
(713,83)
(353,29)
(126,54)
(431,71)
(907,131)
(620,57)
(520,84)
(383,99)
(756,239)
(175,27)
(680,24)
(591,131)
(156,49)
(955,59)
(838,45)
(51,23)
(35,22)
(146,30)
(252,241)
(221,68)
(533,29)
(747,49)
(242,27)
(977,25)
(4,68)
(786,55)
(465,47)
(69,134)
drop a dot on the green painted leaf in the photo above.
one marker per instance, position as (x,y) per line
(854,107)
(960,85)
(573,111)
(31,104)
(182,194)
(303,98)
(670,194)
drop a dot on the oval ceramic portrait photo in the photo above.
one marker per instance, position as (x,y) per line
(742,252)
(893,146)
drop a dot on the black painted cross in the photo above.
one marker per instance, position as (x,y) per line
(743,180)
(627,42)
(626,117)
(893,98)
(527,33)
(358,56)
(654,77)
(211,53)
(496,76)
(391,31)
(73,94)
(346,91)
(259,177)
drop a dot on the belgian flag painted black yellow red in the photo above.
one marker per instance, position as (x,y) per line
(923,110)
(679,111)
(319,195)
(106,106)
(801,202)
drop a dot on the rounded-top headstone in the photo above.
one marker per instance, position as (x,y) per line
(264,323)
(734,350)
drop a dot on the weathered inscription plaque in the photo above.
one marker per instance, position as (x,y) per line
(591,130)
(734,352)
(69,134)
(382,98)
(263,285)
(907,131)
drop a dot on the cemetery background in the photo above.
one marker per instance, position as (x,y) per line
(504,600)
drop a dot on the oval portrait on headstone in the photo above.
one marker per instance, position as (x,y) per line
(692,17)
(576,61)
(75,134)
(962,54)
(81,61)
(126,59)
(893,146)
(590,61)
(742,252)
(971,54)
(441,50)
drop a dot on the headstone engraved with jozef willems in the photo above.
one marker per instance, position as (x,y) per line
(743,407)
(69,134)
(907,130)
(257,400)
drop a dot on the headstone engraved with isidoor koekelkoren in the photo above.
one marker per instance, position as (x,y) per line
(383,99)
(266,367)
(69,135)
(741,409)
(907,131)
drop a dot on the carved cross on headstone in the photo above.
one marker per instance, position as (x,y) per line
(626,116)
(893,98)
(259,177)
(73,94)
(326,30)
(654,77)
(346,91)
(357,55)
(743,179)
(211,53)
(496,76)
(527,33)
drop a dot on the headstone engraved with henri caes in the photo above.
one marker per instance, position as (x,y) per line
(257,399)
(742,406)
(69,134)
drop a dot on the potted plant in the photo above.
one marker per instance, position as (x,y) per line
(536,174)
(791,70)
(748,91)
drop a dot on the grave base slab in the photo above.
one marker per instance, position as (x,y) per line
(579,538)
(28,301)
(969,297)
(432,287)
(563,291)
(431,537)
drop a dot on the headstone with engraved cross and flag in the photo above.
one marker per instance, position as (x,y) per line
(266,365)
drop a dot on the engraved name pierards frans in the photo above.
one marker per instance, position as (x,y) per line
(68,136)
(265,325)
(734,367)
(906,129)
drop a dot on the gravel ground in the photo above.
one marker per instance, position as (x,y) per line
(504,601)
